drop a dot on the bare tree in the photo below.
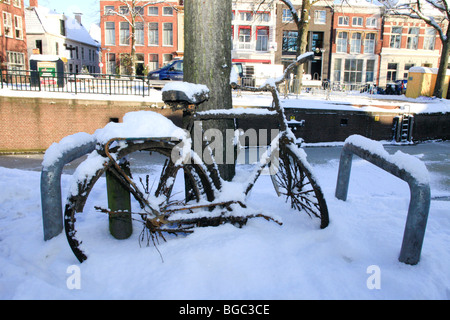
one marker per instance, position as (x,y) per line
(301,19)
(435,13)
(132,11)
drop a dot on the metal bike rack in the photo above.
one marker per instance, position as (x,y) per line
(52,215)
(419,204)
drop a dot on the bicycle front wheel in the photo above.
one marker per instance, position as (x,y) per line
(292,178)
(153,181)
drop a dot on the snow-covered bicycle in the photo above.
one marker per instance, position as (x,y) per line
(178,190)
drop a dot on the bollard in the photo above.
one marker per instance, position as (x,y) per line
(52,212)
(419,204)
(119,202)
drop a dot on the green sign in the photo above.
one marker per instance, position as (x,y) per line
(47,69)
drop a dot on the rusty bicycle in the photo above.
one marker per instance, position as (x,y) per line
(184,192)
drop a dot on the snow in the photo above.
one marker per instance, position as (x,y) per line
(410,164)
(262,260)
(190,89)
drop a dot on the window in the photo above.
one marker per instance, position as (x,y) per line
(57,48)
(355,43)
(167,34)
(139,10)
(16,60)
(124,10)
(290,42)
(396,37)
(124,33)
(343,21)
(17,3)
(109,10)
(110,33)
(111,63)
(262,39)
(62,27)
(371,22)
(337,69)
(369,43)
(370,71)
(244,37)
(353,70)
(320,17)
(429,39)
(18,27)
(153,61)
(391,72)
(287,15)
(407,67)
(167,57)
(342,42)
(7,24)
(153,34)
(357,21)
(413,39)
(153,11)
(246,16)
(263,17)
(167,11)
(140,33)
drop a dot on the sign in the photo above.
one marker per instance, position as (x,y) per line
(100,64)
(46,68)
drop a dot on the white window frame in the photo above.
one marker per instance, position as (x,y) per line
(320,17)
(357,22)
(156,34)
(7,23)
(113,42)
(167,36)
(371,22)
(343,21)
(18,27)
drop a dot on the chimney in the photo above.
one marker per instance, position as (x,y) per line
(34,3)
(77,16)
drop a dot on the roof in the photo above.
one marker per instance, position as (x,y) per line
(43,20)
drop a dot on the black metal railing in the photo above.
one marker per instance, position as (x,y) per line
(75,83)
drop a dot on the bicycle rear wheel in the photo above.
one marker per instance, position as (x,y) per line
(293,179)
(155,184)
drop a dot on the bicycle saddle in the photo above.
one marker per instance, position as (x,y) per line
(176,94)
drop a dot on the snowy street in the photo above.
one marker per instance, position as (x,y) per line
(356,257)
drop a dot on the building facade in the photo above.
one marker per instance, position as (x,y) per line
(356,44)
(156,32)
(13,38)
(407,43)
(319,36)
(55,34)
(254,36)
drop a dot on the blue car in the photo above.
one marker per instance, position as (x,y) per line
(172,71)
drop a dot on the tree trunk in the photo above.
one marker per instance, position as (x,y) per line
(443,64)
(302,40)
(207,60)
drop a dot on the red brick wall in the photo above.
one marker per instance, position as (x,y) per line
(34,124)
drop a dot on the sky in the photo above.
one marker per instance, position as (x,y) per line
(89,8)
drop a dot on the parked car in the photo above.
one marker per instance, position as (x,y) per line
(173,71)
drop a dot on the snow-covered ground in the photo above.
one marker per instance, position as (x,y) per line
(356,257)
(263,260)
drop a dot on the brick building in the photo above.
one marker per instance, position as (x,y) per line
(356,44)
(156,31)
(13,42)
(407,43)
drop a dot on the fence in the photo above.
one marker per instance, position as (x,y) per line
(25,80)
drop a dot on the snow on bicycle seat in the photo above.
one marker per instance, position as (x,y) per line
(184,93)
